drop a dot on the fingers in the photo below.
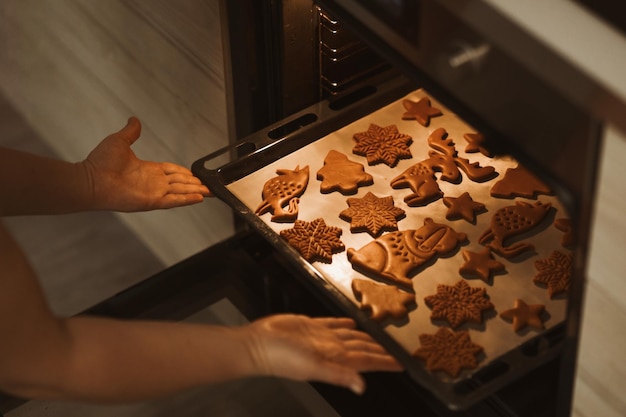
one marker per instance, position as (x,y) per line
(131,132)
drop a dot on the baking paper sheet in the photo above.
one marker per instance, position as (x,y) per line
(495,335)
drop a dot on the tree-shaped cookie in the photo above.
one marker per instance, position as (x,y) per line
(519,182)
(372,214)
(382,300)
(341,174)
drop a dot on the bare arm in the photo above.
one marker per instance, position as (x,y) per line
(104,360)
(110,178)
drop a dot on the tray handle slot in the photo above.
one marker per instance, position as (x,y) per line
(291,126)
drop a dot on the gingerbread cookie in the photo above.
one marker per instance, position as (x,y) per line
(382,144)
(382,300)
(396,255)
(314,240)
(458,304)
(565,225)
(463,207)
(480,264)
(523,315)
(448,351)
(282,190)
(519,182)
(372,214)
(475,144)
(341,174)
(421,111)
(421,179)
(510,221)
(554,272)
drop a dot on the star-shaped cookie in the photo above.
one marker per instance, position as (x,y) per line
(480,264)
(382,144)
(341,174)
(420,111)
(448,351)
(475,144)
(464,207)
(372,214)
(524,315)
(382,300)
(554,272)
(458,304)
(314,240)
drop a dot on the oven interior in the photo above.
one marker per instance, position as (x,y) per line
(301,70)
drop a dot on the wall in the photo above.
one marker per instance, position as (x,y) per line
(77,69)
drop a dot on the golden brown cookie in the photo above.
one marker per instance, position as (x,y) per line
(420,110)
(519,182)
(396,255)
(475,144)
(458,304)
(382,144)
(382,300)
(480,264)
(554,272)
(463,207)
(510,221)
(448,351)
(341,174)
(565,225)
(282,190)
(372,214)
(314,240)
(523,315)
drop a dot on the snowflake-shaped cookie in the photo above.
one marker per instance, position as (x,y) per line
(555,272)
(314,240)
(458,304)
(448,351)
(372,214)
(382,144)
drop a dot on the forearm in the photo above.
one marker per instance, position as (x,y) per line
(106,360)
(31,184)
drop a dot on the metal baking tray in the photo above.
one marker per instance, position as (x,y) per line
(507,355)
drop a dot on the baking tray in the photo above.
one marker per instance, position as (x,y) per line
(507,355)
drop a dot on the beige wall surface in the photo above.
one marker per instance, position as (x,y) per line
(77,69)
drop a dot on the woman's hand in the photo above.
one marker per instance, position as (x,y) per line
(122,182)
(317,349)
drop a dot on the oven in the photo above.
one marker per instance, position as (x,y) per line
(303,78)
(308,77)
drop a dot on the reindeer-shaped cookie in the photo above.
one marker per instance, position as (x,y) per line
(420,178)
(282,190)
